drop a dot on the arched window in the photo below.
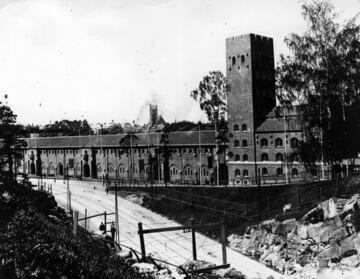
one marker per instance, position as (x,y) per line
(245,173)
(278,142)
(236,127)
(279,157)
(236,143)
(242,58)
(237,172)
(244,143)
(263,143)
(264,171)
(294,143)
(244,127)
(294,157)
(264,157)
(245,157)
(233,60)
(279,171)
(237,157)
(110,168)
(294,172)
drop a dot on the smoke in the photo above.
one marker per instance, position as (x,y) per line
(143,115)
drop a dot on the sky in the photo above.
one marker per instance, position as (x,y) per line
(108,60)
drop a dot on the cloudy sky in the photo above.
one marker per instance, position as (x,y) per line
(107,60)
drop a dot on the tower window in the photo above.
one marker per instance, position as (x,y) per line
(237,172)
(236,127)
(242,58)
(263,143)
(279,171)
(279,157)
(233,60)
(278,142)
(244,143)
(244,127)
(294,143)
(237,157)
(245,158)
(236,143)
(245,173)
(264,157)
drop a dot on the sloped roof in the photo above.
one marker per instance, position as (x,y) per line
(274,124)
(144,139)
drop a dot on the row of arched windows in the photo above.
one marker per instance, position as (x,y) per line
(294,143)
(265,157)
(264,172)
(243,128)
(244,143)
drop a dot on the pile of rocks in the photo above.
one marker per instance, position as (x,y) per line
(328,235)
(161,271)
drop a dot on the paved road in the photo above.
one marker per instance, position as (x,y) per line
(174,247)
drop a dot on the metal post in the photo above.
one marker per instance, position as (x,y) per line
(85,219)
(259,193)
(117,216)
(192,221)
(105,220)
(223,240)
(142,242)
(75,220)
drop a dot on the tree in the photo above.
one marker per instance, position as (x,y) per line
(321,76)
(10,144)
(212,95)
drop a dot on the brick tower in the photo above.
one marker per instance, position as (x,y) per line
(250,71)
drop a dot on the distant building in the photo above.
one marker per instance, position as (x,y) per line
(153,119)
(263,138)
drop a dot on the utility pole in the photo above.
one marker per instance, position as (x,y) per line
(199,154)
(117,236)
(285,155)
(216,153)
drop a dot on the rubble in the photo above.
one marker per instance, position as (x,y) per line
(327,237)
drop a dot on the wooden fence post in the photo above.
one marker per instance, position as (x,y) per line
(223,240)
(245,208)
(298,195)
(142,242)
(321,194)
(192,221)
(259,194)
(75,222)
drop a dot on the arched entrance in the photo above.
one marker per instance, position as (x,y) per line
(32,168)
(60,169)
(86,170)
(51,169)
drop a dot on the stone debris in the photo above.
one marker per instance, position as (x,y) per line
(326,238)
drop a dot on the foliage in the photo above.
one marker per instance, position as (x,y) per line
(10,144)
(212,94)
(322,75)
(185,125)
(63,127)
(34,244)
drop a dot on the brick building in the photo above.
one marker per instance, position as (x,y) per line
(263,138)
